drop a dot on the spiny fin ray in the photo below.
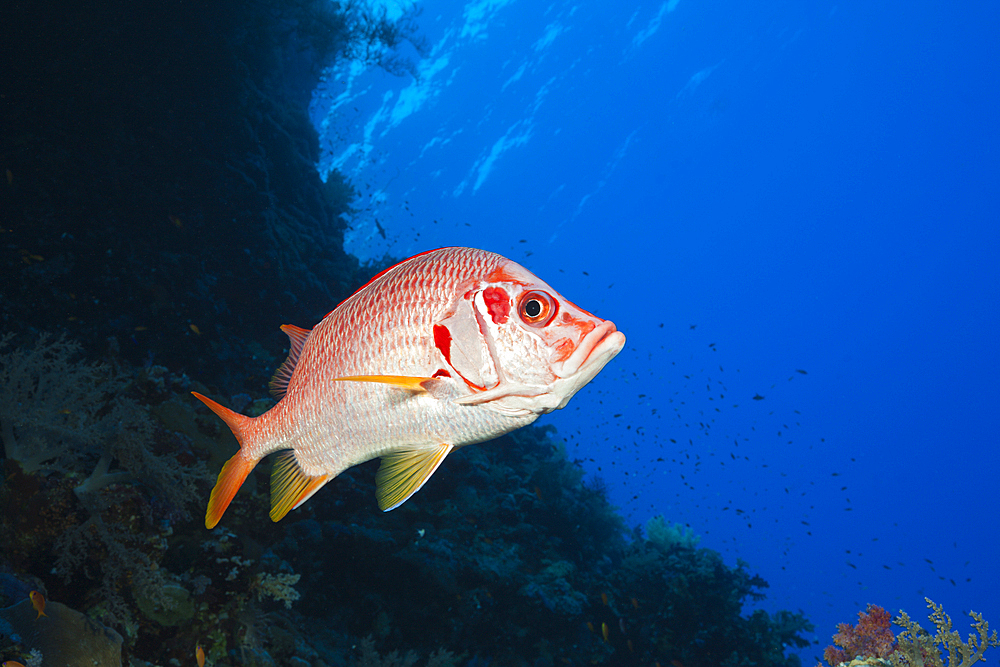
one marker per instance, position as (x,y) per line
(403,472)
(296,339)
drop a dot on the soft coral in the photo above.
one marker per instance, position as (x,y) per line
(871,637)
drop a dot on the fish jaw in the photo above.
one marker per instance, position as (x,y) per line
(518,399)
(588,359)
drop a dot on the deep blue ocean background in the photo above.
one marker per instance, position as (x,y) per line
(791,209)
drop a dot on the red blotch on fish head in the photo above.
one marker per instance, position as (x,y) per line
(497,303)
(563,349)
(442,340)
(583,326)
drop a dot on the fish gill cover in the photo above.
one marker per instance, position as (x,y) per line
(161,214)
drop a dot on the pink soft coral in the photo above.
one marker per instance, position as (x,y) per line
(871,637)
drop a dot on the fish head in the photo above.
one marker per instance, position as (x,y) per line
(524,348)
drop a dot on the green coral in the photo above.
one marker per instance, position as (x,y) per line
(277,586)
(918,648)
(668,536)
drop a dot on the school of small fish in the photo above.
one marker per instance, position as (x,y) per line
(447,348)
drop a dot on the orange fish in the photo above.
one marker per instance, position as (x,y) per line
(12,663)
(448,348)
(199,655)
(38,602)
(604,632)
(604,599)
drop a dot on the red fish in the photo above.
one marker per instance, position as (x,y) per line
(38,602)
(448,348)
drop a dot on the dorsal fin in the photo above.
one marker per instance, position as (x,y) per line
(296,339)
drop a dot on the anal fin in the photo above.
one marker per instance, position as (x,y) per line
(290,487)
(404,471)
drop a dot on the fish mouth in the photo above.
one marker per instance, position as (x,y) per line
(595,350)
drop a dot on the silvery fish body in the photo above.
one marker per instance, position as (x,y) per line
(448,348)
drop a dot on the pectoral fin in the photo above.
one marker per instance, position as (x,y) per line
(403,472)
(402,381)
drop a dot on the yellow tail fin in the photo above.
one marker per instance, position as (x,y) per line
(236,469)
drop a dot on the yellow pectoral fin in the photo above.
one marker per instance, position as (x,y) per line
(403,472)
(290,487)
(402,381)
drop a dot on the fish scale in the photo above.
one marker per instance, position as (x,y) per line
(448,348)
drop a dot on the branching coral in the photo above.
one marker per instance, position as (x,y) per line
(919,648)
(871,642)
(277,586)
(50,404)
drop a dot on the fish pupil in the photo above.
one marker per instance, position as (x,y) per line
(533,308)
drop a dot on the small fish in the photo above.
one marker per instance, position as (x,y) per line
(635,603)
(38,602)
(604,599)
(448,348)
(178,223)
(199,655)
(604,632)
(194,328)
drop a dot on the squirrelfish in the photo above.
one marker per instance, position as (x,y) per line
(447,348)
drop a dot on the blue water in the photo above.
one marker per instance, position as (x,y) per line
(748,190)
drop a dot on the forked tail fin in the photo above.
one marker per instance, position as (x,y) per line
(236,469)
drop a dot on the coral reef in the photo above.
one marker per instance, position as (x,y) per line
(872,641)
(62,637)
(506,556)
(666,536)
(173,207)
(872,637)
(918,648)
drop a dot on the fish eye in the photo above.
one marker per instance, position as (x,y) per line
(537,308)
